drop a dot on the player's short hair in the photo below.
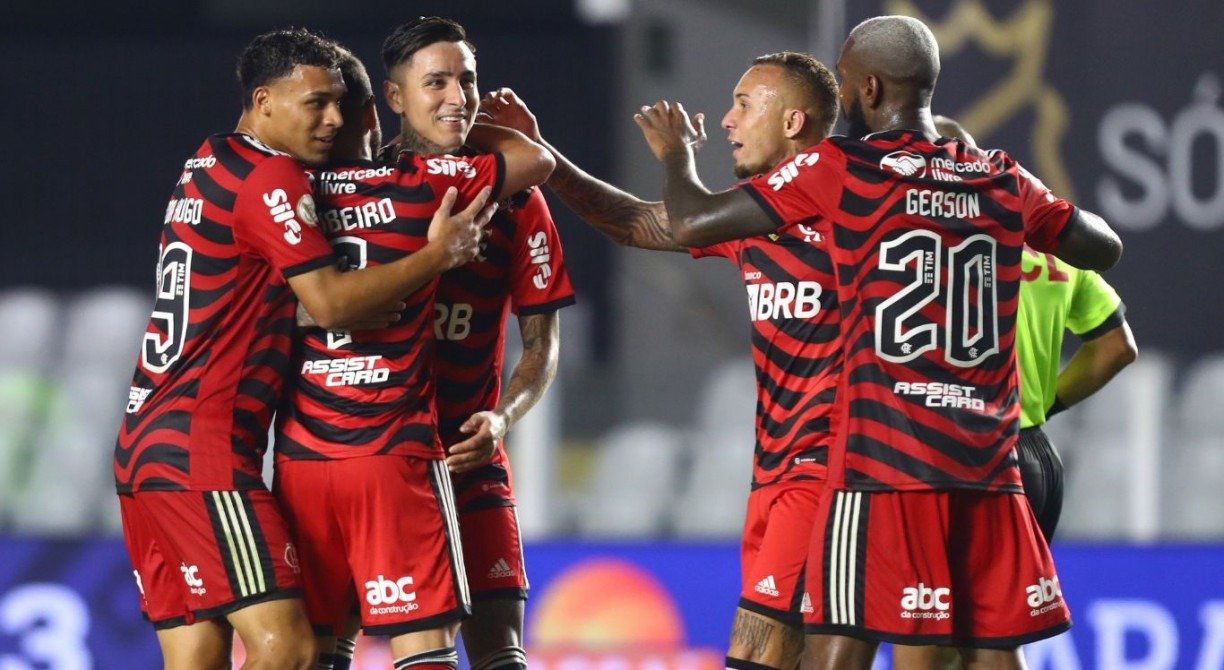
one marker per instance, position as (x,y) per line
(356,80)
(412,36)
(814,80)
(273,55)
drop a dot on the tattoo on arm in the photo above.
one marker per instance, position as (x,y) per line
(623,217)
(534,372)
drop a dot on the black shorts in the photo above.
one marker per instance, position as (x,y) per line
(1041,469)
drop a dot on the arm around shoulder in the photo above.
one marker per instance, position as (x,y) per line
(527,163)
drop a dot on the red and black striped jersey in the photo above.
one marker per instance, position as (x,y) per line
(371,392)
(523,271)
(792,302)
(216,350)
(926,244)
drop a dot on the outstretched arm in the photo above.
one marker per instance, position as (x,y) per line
(698,217)
(623,217)
(530,378)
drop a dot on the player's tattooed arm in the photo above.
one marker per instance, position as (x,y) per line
(531,377)
(623,217)
(698,217)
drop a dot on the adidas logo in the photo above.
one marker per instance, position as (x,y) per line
(806,606)
(767,586)
(500,569)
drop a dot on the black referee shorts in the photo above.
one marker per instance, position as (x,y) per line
(1042,472)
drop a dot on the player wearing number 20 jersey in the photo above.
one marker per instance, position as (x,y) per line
(927,244)
(927,238)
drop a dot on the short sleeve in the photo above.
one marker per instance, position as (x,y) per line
(274,217)
(1045,215)
(538,279)
(798,190)
(1094,304)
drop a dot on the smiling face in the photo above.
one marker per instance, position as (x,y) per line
(435,94)
(300,113)
(756,122)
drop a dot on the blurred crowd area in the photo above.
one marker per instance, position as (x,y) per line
(1144,457)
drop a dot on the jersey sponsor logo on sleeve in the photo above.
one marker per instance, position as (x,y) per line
(541,254)
(787,173)
(136,399)
(904,163)
(450,166)
(282,212)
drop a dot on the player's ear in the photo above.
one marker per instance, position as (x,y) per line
(393,94)
(261,100)
(873,91)
(369,114)
(794,124)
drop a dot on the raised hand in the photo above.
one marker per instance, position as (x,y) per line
(668,128)
(503,108)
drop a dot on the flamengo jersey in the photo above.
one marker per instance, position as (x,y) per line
(523,271)
(364,393)
(926,244)
(792,301)
(216,350)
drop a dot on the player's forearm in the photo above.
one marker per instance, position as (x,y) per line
(699,218)
(337,300)
(1094,364)
(534,372)
(623,217)
(527,163)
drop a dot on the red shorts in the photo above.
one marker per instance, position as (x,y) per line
(962,568)
(777,532)
(200,555)
(379,532)
(493,553)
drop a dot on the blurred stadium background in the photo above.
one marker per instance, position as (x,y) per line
(633,472)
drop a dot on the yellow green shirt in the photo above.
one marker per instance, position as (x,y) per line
(1055,297)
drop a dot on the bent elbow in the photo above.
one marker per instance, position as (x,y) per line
(684,232)
(543,165)
(325,316)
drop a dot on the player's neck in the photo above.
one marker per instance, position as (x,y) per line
(248,124)
(906,117)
